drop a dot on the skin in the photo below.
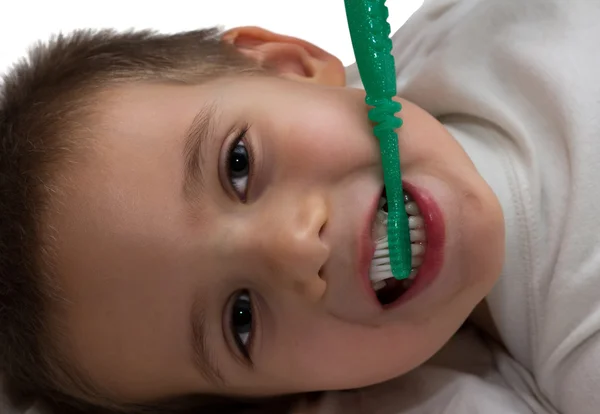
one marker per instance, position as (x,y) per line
(138,257)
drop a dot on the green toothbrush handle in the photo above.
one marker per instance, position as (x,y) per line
(370,34)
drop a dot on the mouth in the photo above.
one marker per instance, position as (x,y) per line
(388,289)
(428,236)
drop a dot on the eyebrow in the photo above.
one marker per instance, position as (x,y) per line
(203,359)
(194,150)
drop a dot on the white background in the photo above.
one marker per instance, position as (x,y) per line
(322,22)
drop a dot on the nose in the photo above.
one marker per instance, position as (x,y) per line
(296,250)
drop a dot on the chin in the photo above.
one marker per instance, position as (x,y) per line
(484,265)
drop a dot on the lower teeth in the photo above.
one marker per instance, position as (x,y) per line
(387,288)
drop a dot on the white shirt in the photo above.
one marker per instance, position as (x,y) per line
(517,83)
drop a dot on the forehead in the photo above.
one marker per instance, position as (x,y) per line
(119,226)
(128,176)
(124,193)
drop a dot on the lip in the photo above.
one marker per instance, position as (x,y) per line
(434,254)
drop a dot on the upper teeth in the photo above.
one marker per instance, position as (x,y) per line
(415,222)
(412,208)
(380,266)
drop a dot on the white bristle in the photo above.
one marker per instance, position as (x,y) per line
(382,243)
(382,268)
(380,261)
(381,253)
(380,276)
(378,285)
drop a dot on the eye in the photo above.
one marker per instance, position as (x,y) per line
(239,162)
(241,322)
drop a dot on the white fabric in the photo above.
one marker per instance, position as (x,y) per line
(517,84)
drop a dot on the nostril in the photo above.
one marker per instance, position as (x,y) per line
(322,230)
(321,272)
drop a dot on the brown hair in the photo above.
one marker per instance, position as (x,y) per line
(44,100)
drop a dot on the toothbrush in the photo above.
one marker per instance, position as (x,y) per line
(370,34)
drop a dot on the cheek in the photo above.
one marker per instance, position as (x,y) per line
(425,141)
(326,353)
(330,140)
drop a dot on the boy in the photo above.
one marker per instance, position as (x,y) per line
(193,214)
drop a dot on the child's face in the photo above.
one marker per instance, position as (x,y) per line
(160,244)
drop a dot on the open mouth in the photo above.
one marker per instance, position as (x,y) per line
(388,289)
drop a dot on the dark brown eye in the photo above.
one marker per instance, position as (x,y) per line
(241,321)
(239,164)
(238,168)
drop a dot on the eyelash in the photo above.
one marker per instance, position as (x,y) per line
(240,138)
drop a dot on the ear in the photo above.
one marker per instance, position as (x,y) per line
(290,57)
